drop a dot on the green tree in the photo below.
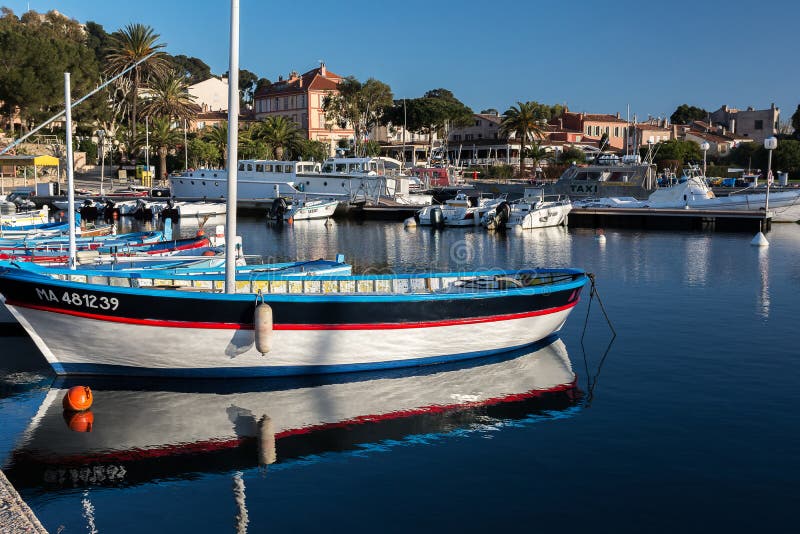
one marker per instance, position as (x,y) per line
(796,122)
(247,87)
(433,113)
(279,133)
(251,146)
(787,156)
(361,105)
(203,154)
(163,137)
(36,51)
(129,45)
(573,155)
(311,150)
(261,85)
(218,138)
(525,120)
(685,114)
(168,96)
(674,149)
(536,154)
(194,70)
(372,148)
(98,40)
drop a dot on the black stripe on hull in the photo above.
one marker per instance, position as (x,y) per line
(358,311)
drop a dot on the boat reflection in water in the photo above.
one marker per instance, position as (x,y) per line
(139,432)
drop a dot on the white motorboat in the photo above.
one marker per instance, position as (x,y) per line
(533,210)
(184,210)
(25,218)
(302,209)
(459,211)
(692,192)
(126,207)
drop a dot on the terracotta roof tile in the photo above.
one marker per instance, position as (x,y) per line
(312,79)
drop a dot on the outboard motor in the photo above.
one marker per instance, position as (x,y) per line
(278,209)
(437,217)
(109,210)
(170,211)
(88,210)
(502,214)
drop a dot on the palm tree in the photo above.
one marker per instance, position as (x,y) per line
(218,136)
(129,45)
(525,121)
(280,133)
(251,144)
(169,97)
(537,154)
(163,137)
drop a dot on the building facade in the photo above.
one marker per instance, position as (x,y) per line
(755,124)
(594,125)
(300,99)
(653,131)
(210,95)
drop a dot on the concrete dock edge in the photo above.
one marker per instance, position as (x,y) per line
(15,516)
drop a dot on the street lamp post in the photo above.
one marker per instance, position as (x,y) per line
(704,146)
(770,143)
(101,135)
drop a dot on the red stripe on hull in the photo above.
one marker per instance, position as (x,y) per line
(237,326)
(221,444)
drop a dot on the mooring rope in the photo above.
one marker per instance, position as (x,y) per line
(591,380)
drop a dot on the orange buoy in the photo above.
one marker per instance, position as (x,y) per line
(200,233)
(290,220)
(79,421)
(209,253)
(78,399)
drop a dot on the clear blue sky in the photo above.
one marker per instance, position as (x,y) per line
(595,56)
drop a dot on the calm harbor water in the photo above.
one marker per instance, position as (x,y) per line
(688,424)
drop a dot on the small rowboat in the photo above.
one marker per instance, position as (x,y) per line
(283,325)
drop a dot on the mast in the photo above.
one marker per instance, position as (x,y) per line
(70,177)
(233,150)
(405,125)
(628,131)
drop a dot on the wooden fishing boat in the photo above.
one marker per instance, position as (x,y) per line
(283,326)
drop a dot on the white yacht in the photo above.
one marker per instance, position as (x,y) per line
(262,181)
(692,192)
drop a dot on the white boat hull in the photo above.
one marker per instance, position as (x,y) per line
(540,218)
(310,211)
(200,209)
(85,345)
